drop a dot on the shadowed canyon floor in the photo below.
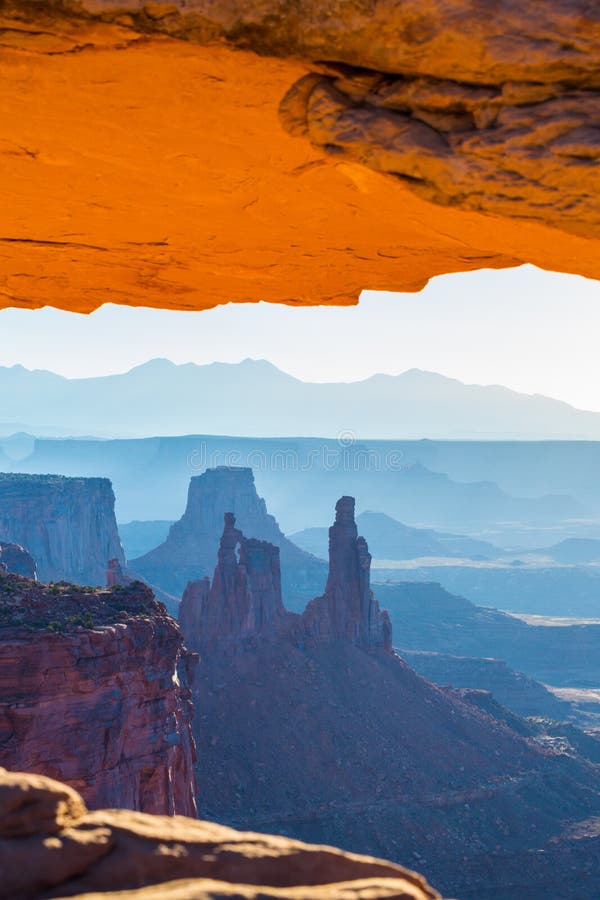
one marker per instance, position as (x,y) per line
(197,195)
(310,726)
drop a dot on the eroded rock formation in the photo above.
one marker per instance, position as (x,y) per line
(244,599)
(245,596)
(347,610)
(17,560)
(190,551)
(95,690)
(81,853)
(311,727)
(115,574)
(490,110)
(67,524)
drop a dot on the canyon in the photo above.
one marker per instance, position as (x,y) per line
(426,617)
(95,691)
(190,550)
(311,726)
(68,525)
(405,141)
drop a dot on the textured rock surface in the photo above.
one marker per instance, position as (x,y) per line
(479,106)
(312,728)
(244,599)
(115,574)
(190,551)
(513,690)
(17,560)
(427,617)
(67,524)
(347,610)
(245,596)
(94,690)
(51,846)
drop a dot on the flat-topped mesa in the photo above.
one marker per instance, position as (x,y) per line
(245,596)
(17,560)
(348,610)
(67,524)
(95,689)
(191,548)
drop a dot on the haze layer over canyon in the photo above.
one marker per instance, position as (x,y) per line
(245,661)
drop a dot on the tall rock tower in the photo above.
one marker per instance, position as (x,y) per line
(347,610)
(245,596)
(190,550)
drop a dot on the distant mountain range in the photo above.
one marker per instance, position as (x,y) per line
(389,539)
(254,398)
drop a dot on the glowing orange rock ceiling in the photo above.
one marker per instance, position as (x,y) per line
(192,153)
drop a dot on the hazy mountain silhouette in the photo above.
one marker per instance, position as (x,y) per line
(390,539)
(255,398)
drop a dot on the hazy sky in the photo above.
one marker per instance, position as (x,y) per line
(530,330)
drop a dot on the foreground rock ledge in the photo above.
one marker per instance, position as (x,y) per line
(137,167)
(50,846)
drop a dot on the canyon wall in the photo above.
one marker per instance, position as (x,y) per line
(17,560)
(68,525)
(95,691)
(190,551)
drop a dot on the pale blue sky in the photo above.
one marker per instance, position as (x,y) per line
(530,330)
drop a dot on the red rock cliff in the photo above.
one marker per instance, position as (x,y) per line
(94,690)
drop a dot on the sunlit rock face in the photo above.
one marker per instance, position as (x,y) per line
(427,138)
(95,690)
(83,853)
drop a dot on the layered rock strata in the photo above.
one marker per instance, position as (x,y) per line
(95,690)
(68,525)
(489,109)
(440,94)
(191,549)
(17,560)
(100,854)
